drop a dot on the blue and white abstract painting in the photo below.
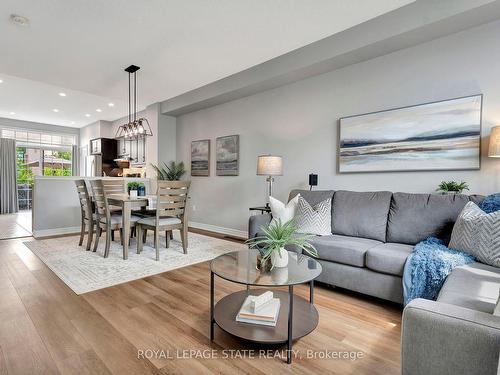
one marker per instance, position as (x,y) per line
(436,136)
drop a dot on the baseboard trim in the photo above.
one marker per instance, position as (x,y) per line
(55,232)
(222,230)
(208,227)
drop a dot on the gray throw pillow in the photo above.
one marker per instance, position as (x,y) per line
(315,219)
(478,234)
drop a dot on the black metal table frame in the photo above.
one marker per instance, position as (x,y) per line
(290,309)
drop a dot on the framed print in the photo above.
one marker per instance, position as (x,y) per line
(444,135)
(200,158)
(227,150)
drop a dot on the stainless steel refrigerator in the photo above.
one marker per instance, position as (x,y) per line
(93,167)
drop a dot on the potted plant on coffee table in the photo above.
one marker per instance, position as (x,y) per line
(277,235)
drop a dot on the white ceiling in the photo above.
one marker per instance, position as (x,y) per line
(81,47)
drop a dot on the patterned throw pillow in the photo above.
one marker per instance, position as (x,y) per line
(478,234)
(314,220)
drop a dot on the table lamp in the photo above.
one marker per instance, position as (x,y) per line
(494,147)
(269,165)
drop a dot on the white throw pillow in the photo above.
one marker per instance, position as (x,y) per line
(478,233)
(282,211)
(314,220)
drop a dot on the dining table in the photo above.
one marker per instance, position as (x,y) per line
(127,204)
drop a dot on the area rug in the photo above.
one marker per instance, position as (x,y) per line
(86,271)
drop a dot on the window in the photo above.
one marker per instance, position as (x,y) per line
(36,138)
(39,154)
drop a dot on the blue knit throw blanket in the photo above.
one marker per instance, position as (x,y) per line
(427,268)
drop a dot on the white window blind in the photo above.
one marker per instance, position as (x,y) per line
(35,138)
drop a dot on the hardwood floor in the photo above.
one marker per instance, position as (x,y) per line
(46,329)
(15,225)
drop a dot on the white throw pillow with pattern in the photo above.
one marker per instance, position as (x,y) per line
(314,220)
(478,233)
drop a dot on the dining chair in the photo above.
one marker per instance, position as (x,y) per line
(87,213)
(106,219)
(115,186)
(171,200)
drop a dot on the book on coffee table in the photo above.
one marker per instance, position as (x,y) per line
(267,315)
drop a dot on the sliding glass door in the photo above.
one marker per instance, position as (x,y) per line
(27,168)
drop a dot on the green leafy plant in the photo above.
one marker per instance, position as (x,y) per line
(172,171)
(133,185)
(452,186)
(278,235)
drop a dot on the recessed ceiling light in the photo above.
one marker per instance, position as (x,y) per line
(19,20)
(72,123)
(87,115)
(62,94)
(12,113)
(55,110)
(98,110)
(111,104)
(1,81)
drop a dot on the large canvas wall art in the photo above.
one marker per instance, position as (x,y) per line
(200,158)
(227,155)
(442,135)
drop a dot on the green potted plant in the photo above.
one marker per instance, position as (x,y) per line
(172,171)
(272,244)
(452,187)
(132,188)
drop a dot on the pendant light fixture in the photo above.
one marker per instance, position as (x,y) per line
(135,128)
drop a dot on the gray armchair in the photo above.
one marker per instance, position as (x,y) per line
(256,222)
(440,338)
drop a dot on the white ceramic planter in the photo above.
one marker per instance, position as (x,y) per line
(133,193)
(279,275)
(279,261)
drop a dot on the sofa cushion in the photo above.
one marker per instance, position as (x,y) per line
(415,217)
(361,214)
(474,286)
(388,258)
(343,249)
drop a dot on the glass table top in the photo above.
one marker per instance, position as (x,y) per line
(241,267)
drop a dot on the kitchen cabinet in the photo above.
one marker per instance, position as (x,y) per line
(133,149)
(106,147)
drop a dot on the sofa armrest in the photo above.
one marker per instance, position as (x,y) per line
(257,221)
(439,338)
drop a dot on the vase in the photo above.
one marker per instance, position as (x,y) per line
(279,275)
(279,258)
(141,191)
(133,193)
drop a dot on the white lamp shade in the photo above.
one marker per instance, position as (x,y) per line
(269,165)
(494,148)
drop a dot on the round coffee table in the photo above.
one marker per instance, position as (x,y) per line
(297,316)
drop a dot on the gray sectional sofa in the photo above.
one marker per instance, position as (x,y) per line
(372,235)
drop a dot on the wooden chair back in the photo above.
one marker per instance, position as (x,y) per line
(171,198)
(101,203)
(84,199)
(114,186)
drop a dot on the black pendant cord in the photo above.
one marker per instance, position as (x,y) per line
(135,96)
(129,101)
